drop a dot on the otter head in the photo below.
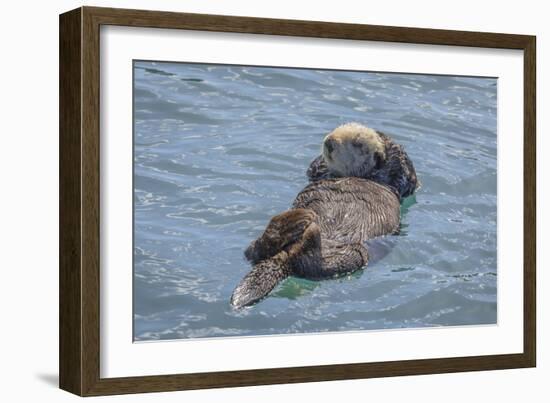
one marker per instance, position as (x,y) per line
(353,150)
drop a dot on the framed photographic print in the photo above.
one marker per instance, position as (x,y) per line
(249,201)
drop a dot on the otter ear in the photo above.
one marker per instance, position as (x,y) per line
(378,160)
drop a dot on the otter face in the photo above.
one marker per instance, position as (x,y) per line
(353,150)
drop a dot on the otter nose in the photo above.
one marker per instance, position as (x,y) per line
(329,145)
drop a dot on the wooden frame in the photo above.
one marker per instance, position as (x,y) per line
(79,201)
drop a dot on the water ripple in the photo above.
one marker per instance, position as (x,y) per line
(218,150)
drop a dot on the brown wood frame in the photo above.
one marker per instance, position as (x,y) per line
(79,320)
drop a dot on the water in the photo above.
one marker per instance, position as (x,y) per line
(218,150)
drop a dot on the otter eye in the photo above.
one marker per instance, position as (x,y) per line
(356,144)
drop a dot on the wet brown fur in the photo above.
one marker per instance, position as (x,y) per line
(321,236)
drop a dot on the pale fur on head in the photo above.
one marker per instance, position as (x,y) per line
(356,150)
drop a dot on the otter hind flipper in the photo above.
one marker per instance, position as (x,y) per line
(286,235)
(282,231)
(259,282)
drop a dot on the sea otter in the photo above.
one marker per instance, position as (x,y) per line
(321,236)
(356,150)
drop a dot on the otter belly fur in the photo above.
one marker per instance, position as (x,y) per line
(321,236)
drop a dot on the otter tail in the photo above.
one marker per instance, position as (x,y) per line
(259,282)
(274,254)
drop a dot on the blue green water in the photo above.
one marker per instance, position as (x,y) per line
(218,150)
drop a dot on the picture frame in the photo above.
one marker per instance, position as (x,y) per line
(80,200)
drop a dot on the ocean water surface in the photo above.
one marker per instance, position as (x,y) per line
(219,150)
